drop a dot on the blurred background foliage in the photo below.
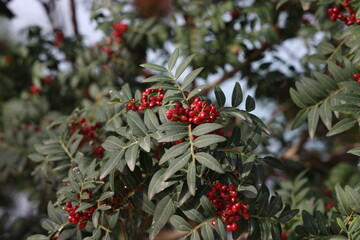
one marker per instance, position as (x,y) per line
(267,46)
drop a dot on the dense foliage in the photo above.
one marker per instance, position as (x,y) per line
(106,146)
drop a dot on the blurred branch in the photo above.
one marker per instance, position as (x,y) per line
(49,8)
(256,53)
(73,17)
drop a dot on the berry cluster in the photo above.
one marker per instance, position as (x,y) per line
(79,218)
(197,113)
(59,38)
(150,98)
(89,134)
(357,77)
(348,19)
(224,198)
(35,90)
(118,30)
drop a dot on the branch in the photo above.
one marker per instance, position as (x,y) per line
(232,73)
(73,17)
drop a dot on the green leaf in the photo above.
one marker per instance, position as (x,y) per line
(209,161)
(250,104)
(111,163)
(322,223)
(341,224)
(131,156)
(197,91)
(141,200)
(48,225)
(313,119)
(343,204)
(163,211)
(346,108)
(137,125)
(174,152)
(354,198)
(153,67)
(173,136)
(309,223)
(179,223)
(182,66)
(207,206)
(54,214)
(191,77)
(275,231)
(337,72)
(195,236)
(145,143)
(275,205)
(326,114)
(84,206)
(253,141)
(342,126)
(296,98)
(158,184)
(191,177)
(207,232)
(113,218)
(273,162)
(220,96)
(176,165)
(194,215)
(348,97)
(105,195)
(66,234)
(220,229)
(151,120)
(248,190)
(37,237)
(157,78)
(173,58)
(206,128)
(288,214)
(165,86)
(207,140)
(247,165)
(237,95)
(355,151)
(259,123)
(172,126)
(353,86)
(112,144)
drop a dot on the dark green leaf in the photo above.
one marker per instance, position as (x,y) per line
(191,177)
(145,143)
(206,128)
(173,58)
(183,65)
(313,119)
(66,234)
(296,98)
(343,203)
(273,162)
(195,236)
(209,161)
(237,95)
(354,198)
(37,237)
(137,125)
(171,126)
(141,200)
(179,223)
(111,163)
(112,144)
(287,215)
(131,156)
(309,223)
(220,96)
(326,114)
(342,126)
(207,206)
(105,195)
(157,78)
(113,218)
(191,77)
(207,140)
(250,104)
(220,229)
(173,136)
(176,165)
(163,211)
(253,141)
(194,215)
(275,205)
(174,152)
(151,120)
(197,91)
(346,108)
(54,214)
(153,67)
(158,184)
(207,232)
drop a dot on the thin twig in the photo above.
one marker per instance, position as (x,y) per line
(73,17)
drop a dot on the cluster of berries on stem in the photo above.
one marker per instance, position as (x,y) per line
(89,134)
(348,19)
(197,113)
(150,98)
(118,30)
(357,77)
(224,198)
(80,218)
